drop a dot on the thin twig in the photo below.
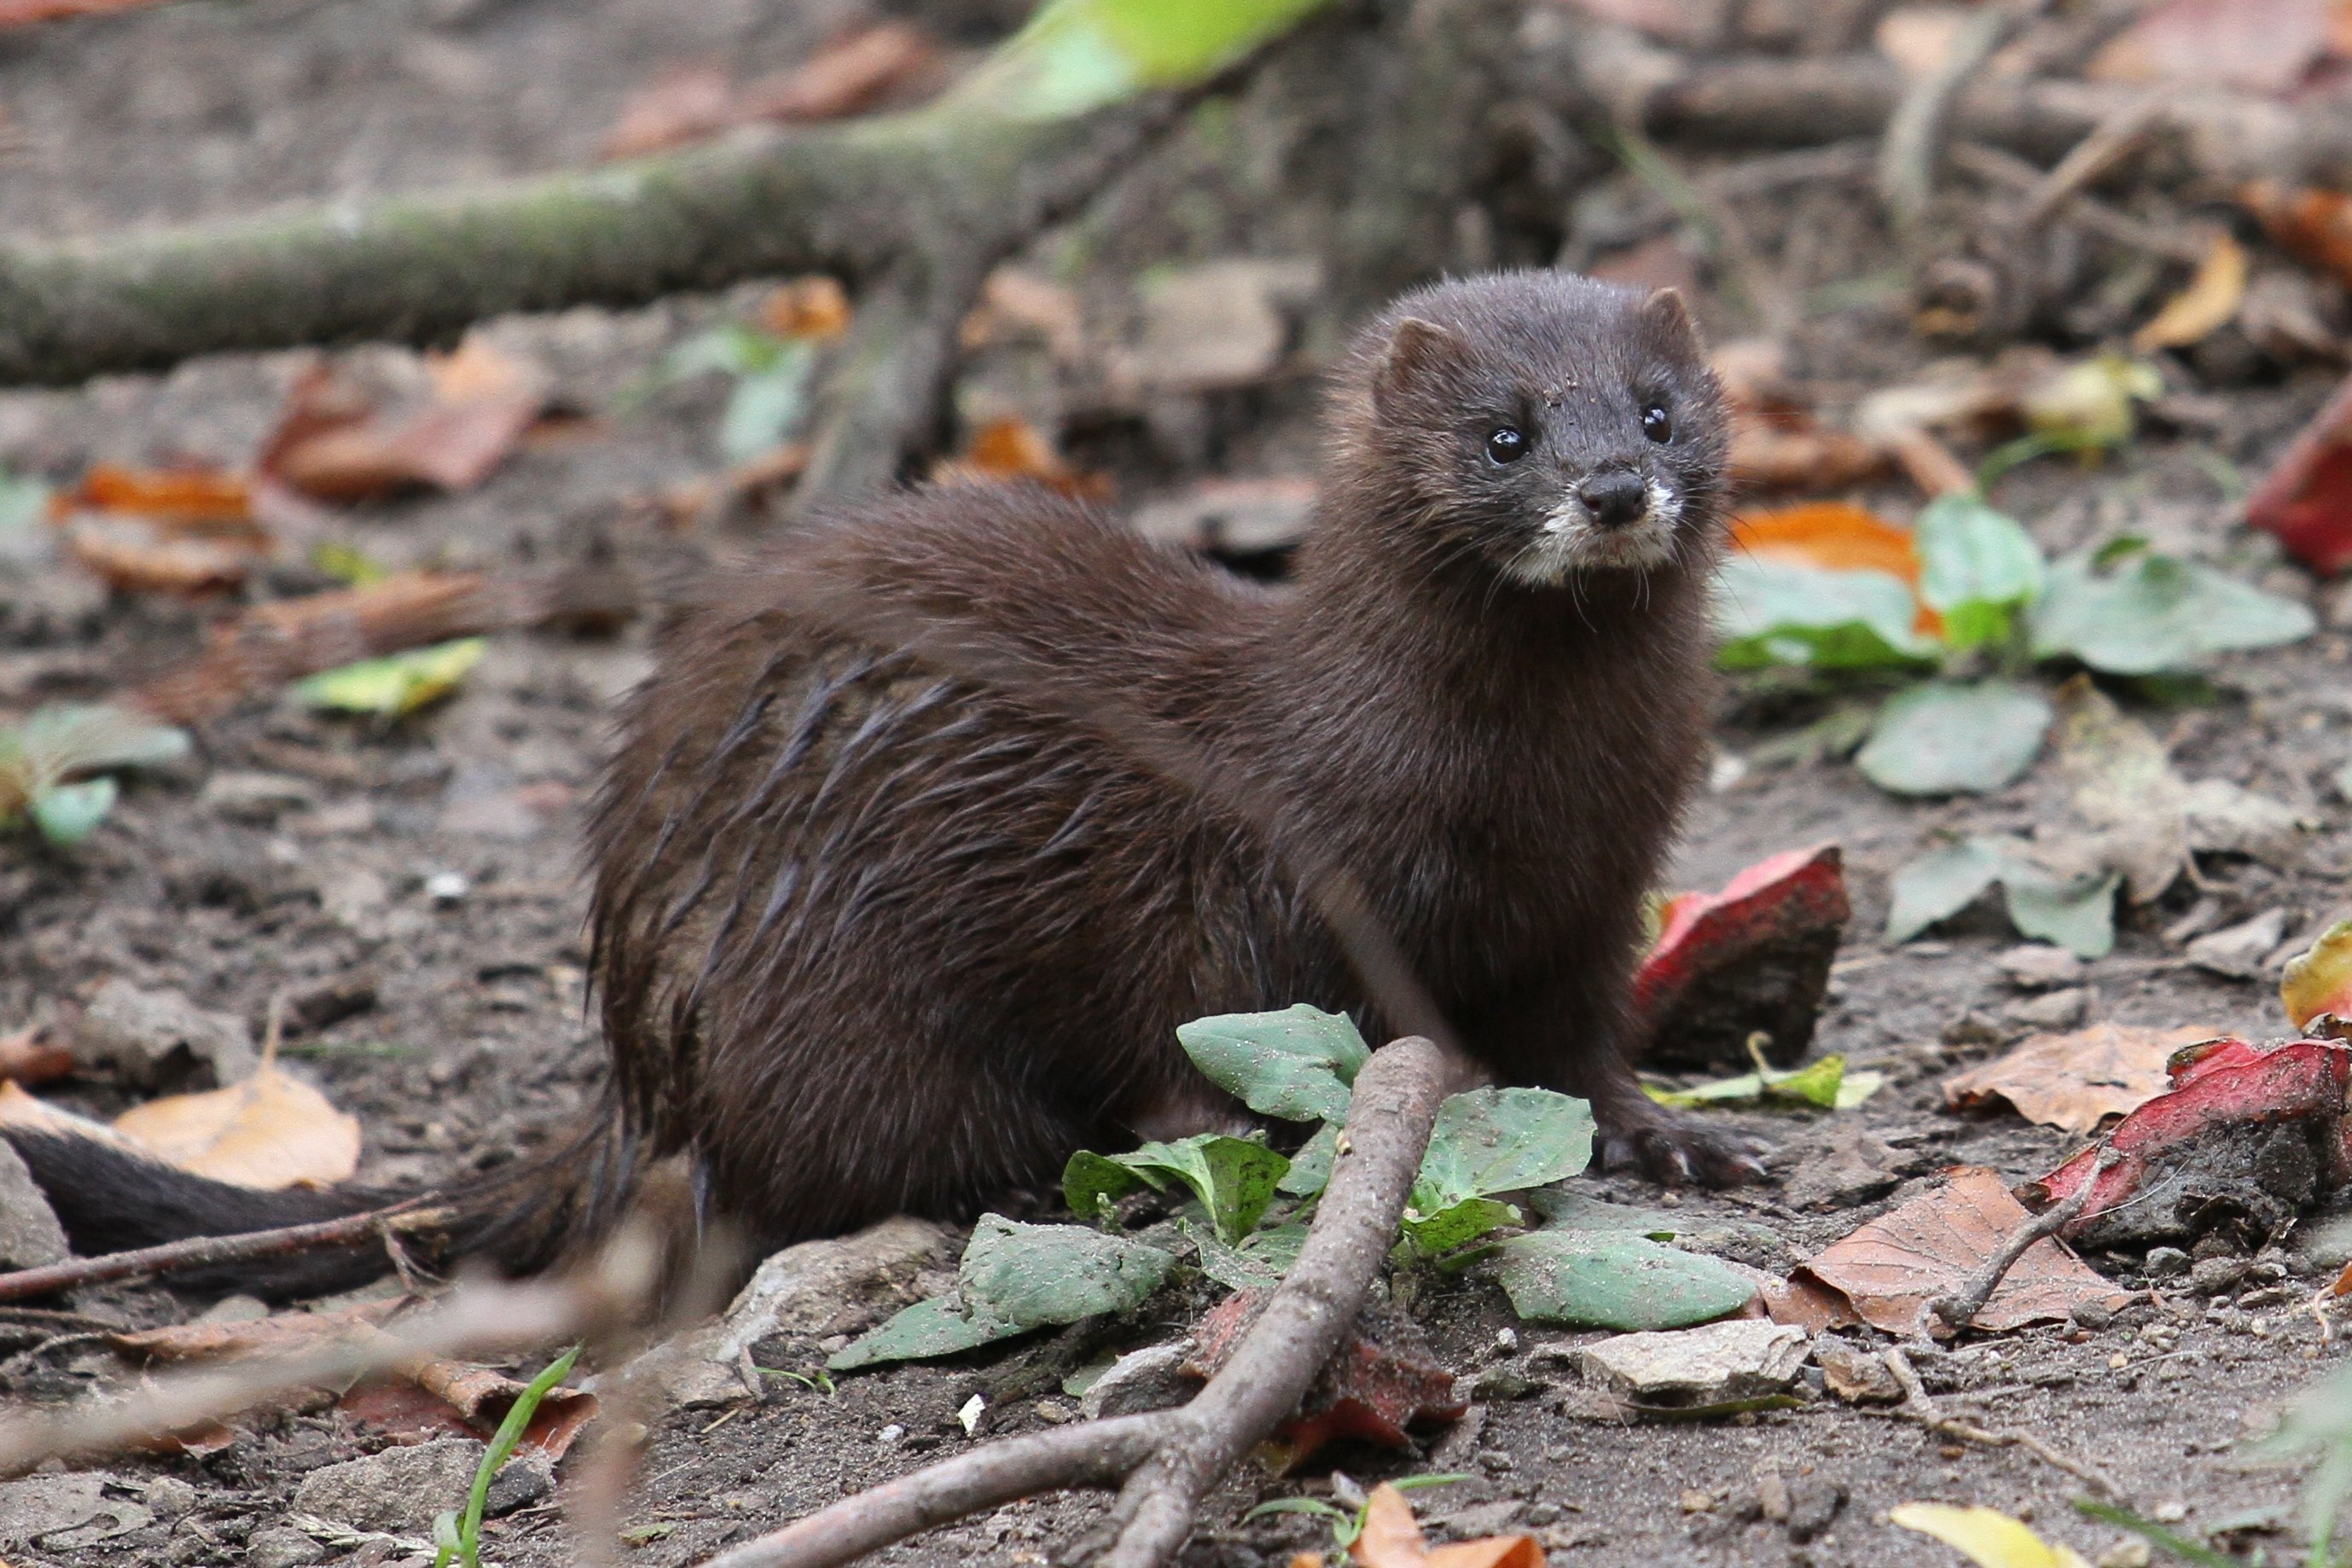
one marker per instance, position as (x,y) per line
(1916,132)
(1918,1406)
(200,1250)
(1959,1308)
(1991,163)
(2117,138)
(1171,1458)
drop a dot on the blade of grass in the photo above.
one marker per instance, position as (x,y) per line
(467,1543)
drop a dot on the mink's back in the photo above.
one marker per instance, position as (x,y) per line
(874,936)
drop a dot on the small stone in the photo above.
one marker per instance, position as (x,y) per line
(1852,1166)
(1481,1519)
(2170,1513)
(1855,1375)
(1697,1501)
(525,1478)
(1494,1460)
(161,1041)
(2166,1262)
(1148,1379)
(169,1497)
(283,1548)
(30,1237)
(2052,1010)
(893,1432)
(447,887)
(1051,1413)
(1813,1504)
(2211,1276)
(2039,966)
(2127,1554)
(1542,1514)
(256,799)
(2239,950)
(1772,1496)
(237,1309)
(398,1490)
(1713,1364)
(2093,1315)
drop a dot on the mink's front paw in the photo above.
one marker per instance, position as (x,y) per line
(1678,1153)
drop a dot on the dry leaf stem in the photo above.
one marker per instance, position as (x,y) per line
(1171,1458)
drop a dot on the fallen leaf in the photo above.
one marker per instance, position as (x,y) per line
(2262,46)
(2319,980)
(173,531)
(2126,609)
(23,13)
(2195,1152)
(1836,535)
(396,685)
(1985,1536)
(1615,1279)
(2089,404)
(1392,1538)
(682,103)
(1947,737)
(2205,305)
(1892,1268)
(331,444)
(1382,1380)
(2074,1082)
(1753,958)
(270,1132)
(1010,447)
(33,1055)
(276,1334)
(854,73)
(1789,453)
(815,307)
(2306,497)
(1013,300)
(2070,904)
(189,498)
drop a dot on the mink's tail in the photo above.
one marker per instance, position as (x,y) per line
(520,1218)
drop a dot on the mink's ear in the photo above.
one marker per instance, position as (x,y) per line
(1667,314)
(1418,351)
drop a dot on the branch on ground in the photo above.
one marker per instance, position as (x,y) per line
(1169,1460)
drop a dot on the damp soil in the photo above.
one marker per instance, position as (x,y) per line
(463,1038)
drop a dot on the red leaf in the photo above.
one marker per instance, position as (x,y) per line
(1382,1380)
(2224,1084)
(2307,500)
(1754,957)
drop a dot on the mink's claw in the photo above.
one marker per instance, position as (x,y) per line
(1679,1154)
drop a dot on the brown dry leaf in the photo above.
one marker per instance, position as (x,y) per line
(854,73)
(169,530)
(815,307)
(483,1396)
(1796,453)
(1013,448)
(272,1130)
(279,1333)
(682,103)
(1891,1269)
(2262,46)
(2074,1081)
(198,500)
(1014,302)
(1392,1538)
(2206,304)
(32,1055)
(2343,1286)
(2311,225)
(330,444)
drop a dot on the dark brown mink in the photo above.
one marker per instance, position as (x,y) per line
(879,926)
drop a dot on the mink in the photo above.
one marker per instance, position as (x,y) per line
(928,831)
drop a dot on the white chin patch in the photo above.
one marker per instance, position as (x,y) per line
(1570,541)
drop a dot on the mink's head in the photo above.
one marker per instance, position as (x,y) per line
(1542,424)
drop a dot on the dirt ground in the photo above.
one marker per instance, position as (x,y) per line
(474,1042)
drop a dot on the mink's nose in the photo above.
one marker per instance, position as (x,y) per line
(1614,499)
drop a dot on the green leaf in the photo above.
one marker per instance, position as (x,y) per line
(940,1326)
(1976,565)
(346,563)
(1823,1084)
(1234,1178)
(2078,912)
(1564,1210)
(734,350)
(1494,1141)
(1615,1279)
(1232,1267)
(1432,1232)
(766,404)
(1940,885)
(1076,56)
(1295,1065)
(2128,611)
(1278,1246)
(395,686)
(24,503)
(68,813)
(1770,611)
(62,739)
(1310,1168)
(1944,738)
(1037,1274)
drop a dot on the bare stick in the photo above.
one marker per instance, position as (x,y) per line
(1917,1407)
(1917,131)
(1959,1309)
(204,1250)
(1093,1453)
(1172,1457)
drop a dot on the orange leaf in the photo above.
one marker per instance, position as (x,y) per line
(2319,979)
(331,444)
(2206,305)
(1893,1268)
(849,76)
(1392,1538)
(270,1132)
(180,495)
(2312,225)
(1836,536)
(2343,1286)
(2074,1082)
(812,307)
(1013,448)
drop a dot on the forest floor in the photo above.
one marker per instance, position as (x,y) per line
(321,880)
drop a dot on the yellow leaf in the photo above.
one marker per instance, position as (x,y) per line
(272,1130)
(2208,302)
(2089,404)
(2320,980)
(1986,1536)
(396,685)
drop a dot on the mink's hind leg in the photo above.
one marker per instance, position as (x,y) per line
(1638,1133)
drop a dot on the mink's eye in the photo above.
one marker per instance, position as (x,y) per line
(1655,423)
(1507,443)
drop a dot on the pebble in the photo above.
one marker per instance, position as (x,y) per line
(2052,1009)
(283,1548)
(2166,1262)
(256,799)
(447,887)
(525,1478)
(30,1237)
(169,1497)
(1813,1505)
(398,1490)
(1712,1365)
(2039,966)
(890,1435)
(160,1039)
